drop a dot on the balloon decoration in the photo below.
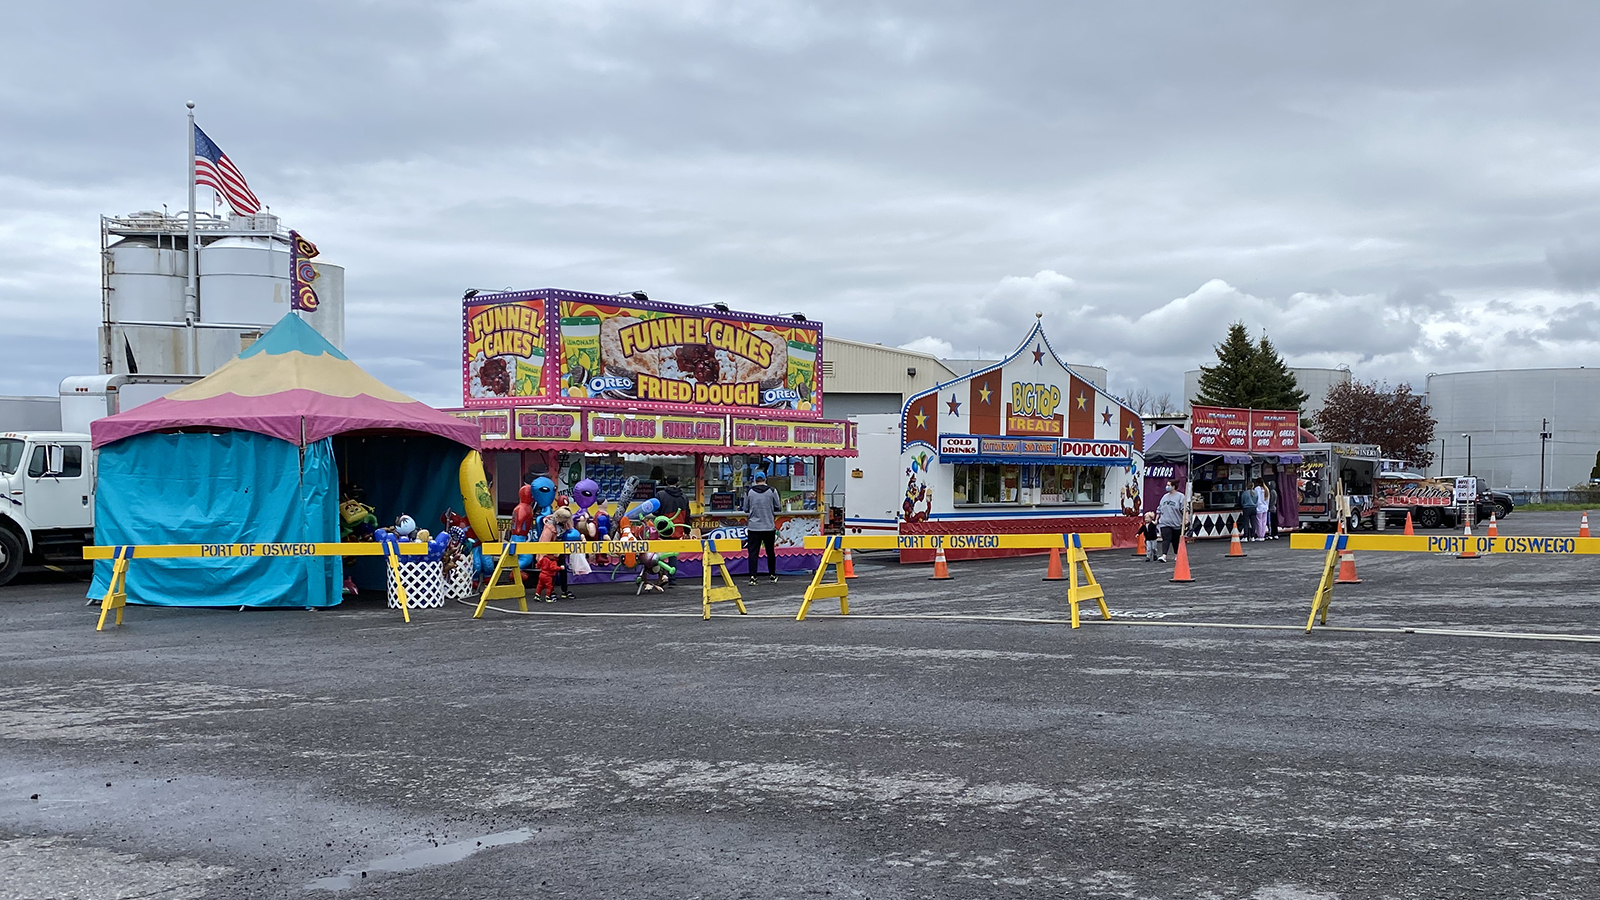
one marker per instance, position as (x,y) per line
(586,494)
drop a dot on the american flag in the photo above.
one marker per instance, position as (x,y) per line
(213,169)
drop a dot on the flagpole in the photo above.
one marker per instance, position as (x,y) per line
(191,296)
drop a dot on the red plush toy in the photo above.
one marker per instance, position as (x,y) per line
(546,589)
(522,517)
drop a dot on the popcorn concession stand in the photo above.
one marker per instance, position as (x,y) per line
(1026,446)
(627,392)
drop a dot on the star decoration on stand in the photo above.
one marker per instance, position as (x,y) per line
(984,392)
(1083,400)
(1130,432)
(922,419)
(955,407)
(1106,416)
(1038,354)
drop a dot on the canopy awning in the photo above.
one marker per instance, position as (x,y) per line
(292,385)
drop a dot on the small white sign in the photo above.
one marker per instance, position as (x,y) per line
(1466,490)
(958,446)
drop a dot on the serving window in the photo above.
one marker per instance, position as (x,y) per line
(727,478)
(982,484)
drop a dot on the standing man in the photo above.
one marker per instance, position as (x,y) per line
(1169,518)
(673,504)
(761,526)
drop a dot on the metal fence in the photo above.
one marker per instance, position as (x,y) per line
(1525,497)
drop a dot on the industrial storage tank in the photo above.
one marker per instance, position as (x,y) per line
(1504,411)
(147,279)
(244,280)
(328,319)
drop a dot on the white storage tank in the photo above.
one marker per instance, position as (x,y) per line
(147,280)
(244,280)
(328,319)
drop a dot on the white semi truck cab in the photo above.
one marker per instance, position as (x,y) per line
(47,478)
(46,499)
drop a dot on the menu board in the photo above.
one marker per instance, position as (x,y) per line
(1218,429)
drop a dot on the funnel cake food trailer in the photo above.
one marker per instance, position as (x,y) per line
(1025,446)
(626,392)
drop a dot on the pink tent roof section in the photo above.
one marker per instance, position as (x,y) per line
(292,385)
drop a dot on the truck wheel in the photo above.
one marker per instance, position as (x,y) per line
(10,555)
(1429,518)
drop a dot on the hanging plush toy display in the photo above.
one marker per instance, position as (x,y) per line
(586,494)
(356,521)
(522,518)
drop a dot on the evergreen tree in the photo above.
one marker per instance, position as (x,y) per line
(1276,387)
(1230,381)
(1248,376)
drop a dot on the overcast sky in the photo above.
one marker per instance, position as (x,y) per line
(1402,188)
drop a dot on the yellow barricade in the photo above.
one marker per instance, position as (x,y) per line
(1098,540)
(1451,544)
(1441,544)
(833,547)
(505,584)
(116,597)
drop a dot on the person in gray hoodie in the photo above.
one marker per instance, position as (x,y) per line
(761,527)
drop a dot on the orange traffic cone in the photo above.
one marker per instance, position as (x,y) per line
(1467,551)
(1053,571)
(1180,572)
(1493,531)
(1144,549)
(1583,527)
(1409,532)
(849,568)
(1235,549)
(941,571)
(1347,568)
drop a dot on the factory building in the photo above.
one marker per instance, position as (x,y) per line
(1500,414)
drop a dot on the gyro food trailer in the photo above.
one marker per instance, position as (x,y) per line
(629,392)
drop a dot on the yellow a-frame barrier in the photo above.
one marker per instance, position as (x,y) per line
(1449,545)
(1090,589)
(833,547)
(711,559)
(496,589)
(116,596)
(832,555)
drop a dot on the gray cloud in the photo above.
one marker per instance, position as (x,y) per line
(1366,182)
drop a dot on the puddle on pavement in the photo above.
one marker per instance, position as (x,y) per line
(420,858)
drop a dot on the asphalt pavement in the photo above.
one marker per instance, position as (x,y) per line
(947,739)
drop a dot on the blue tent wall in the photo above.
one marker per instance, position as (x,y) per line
(231,487)
(399,474)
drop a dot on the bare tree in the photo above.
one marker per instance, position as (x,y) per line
(1140,400)
(1162,405)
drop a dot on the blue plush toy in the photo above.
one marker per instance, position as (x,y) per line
(602,526)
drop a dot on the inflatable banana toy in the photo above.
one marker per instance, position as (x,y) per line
(475,495)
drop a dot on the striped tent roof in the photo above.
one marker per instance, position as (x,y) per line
(291,384)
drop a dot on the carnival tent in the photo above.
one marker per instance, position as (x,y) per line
(258,452)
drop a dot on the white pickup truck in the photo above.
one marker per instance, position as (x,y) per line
(46,499)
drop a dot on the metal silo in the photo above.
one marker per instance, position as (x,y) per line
(147,280)
(244,278)
(1504,411)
